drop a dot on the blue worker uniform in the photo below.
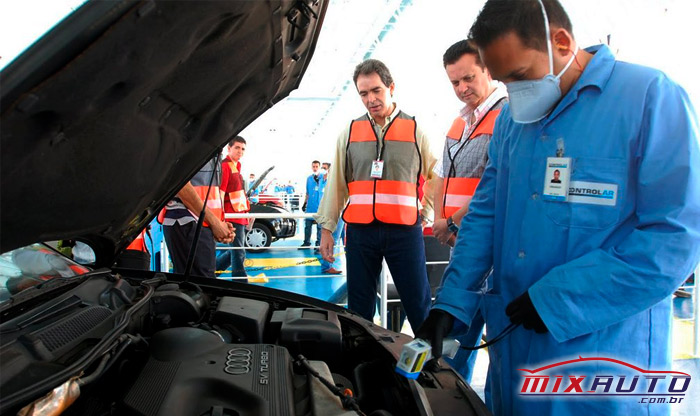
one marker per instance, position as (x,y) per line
(600,276)
(315,185)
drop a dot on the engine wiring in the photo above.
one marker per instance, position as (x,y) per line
(348,401)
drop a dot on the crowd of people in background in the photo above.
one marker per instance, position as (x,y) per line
(291,194)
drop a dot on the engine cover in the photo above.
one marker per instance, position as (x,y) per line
(193,372)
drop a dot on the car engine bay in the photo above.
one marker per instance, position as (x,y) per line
(158,347)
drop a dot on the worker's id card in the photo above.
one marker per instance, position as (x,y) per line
(377,168)
(556,179)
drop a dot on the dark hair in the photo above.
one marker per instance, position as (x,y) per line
(373,66)
(237,139)
(315,161)
(455,52)
(327,164)
(556,171)
(524,17)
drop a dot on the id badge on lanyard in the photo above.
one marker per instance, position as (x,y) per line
(557,175)
(377,169)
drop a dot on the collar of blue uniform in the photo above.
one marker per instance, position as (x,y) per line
(596,74)
(598,70)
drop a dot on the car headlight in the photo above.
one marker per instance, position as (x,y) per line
(277,225)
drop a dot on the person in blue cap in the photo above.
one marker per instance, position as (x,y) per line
(315,185)
(585,270)
(334,267)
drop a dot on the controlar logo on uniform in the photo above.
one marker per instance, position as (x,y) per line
(565,379)
(593,193)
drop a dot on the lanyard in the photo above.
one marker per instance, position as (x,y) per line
(452,171)
(452,157)
(380,153)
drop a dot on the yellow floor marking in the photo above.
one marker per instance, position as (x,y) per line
(682,339)
(261,278)
(280,262)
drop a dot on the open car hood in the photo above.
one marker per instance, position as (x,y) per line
(108,115)
(258,181)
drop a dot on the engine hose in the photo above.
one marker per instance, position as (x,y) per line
(348,401)
(83,381)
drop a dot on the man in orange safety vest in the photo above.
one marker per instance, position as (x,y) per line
(379,160)
(464,158)
(235,202)
(180,221)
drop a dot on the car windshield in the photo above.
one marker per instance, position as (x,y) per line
(28,266)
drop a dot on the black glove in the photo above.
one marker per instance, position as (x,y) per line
(303,207)
(436,326)
(522,311)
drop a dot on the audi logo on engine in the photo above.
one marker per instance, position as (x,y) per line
(238,361)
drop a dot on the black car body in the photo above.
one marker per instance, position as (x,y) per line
(266,231)
(103,120)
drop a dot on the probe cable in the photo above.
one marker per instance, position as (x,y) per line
(510,328)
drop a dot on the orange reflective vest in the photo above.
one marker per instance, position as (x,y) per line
(393,199)
(213,202)
(139,242)
(458,190)
(238,198)
(208,174)
(239,201)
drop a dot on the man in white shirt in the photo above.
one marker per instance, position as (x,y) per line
(464,159)
(379,159)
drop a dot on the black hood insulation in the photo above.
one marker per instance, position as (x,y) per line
(108,115)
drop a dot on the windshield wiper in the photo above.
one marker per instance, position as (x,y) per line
(40,288)
(44,314)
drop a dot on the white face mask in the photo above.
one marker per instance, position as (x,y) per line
(532,100)
(322,171)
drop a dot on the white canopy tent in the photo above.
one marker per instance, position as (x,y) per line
(410,36)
